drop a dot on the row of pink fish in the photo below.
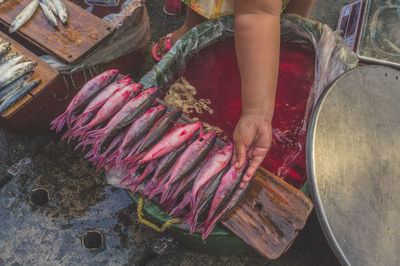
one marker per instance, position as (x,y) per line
(123,126)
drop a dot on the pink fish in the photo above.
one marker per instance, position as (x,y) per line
(129,113)
(218,161)
(98,159)
(171,141)
(151,166)
(95,105)
(110,107)
(229,183)
(187,162)
(138,129)
(82,97)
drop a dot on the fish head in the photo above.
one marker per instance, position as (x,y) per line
(110,75)
(228,148)
(207,138)
(124,81)
(150,91)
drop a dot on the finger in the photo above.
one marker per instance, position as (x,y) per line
(242,184)
(254,164)
(233,160)
(240,150)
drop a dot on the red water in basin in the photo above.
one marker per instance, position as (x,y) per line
(214,73)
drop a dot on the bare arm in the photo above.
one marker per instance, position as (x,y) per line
(257,42)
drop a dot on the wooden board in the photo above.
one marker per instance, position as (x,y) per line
(270,215)
(70,42)
(43,71)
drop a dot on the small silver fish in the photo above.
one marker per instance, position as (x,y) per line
(49,15)
(15,72)
(4,49)
(7,65)
(61,10)
(7,57)
(50,5)
(24,16)
(14,96)
(15,85)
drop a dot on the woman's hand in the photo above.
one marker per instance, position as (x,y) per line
(252,139)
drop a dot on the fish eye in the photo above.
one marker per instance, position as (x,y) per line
(201,139)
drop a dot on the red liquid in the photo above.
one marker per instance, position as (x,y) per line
(214,73)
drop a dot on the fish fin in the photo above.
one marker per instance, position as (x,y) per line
(58,123)
(126,178)
(207,231)
(178,209)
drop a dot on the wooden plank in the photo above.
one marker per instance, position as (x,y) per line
(42,71)
(70,42)
(270,215)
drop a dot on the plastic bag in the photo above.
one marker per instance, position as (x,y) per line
(132,32)
(332,58)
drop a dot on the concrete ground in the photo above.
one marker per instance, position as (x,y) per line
(80,200)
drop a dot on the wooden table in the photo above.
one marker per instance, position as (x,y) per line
(68,43)
(43,71)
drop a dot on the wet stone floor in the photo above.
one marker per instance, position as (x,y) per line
(55,209)
(83,221)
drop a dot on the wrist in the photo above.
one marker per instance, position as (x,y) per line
(258,113)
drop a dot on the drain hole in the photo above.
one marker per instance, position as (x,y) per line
(39,196)
(93,240)
(258,206)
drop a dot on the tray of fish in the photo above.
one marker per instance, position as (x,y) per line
(166,158)
(22,76)
(52,10)
(15,76)
(59,27)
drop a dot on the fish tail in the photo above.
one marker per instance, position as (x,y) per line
(69,134)
(126,178)
(202,226)
(96,139)
(92,154)
(193,222)
(81,133)
(114,158)
(207,231)
(178,209)
(157,190)
(58,123)
(165,192)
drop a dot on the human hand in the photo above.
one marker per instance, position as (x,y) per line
(252,139)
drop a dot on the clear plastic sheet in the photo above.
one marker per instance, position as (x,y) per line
(132,32)
(332,59)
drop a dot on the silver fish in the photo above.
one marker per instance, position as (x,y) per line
(7,64)
(24,16)
(50,5)
(15,72)
(4,49)
(8,57)
(14,96)
(61,10)
(49,15)
(15,85)
(1,1)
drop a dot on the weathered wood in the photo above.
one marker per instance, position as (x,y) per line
(42,71)
(70,42)
(270,215)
